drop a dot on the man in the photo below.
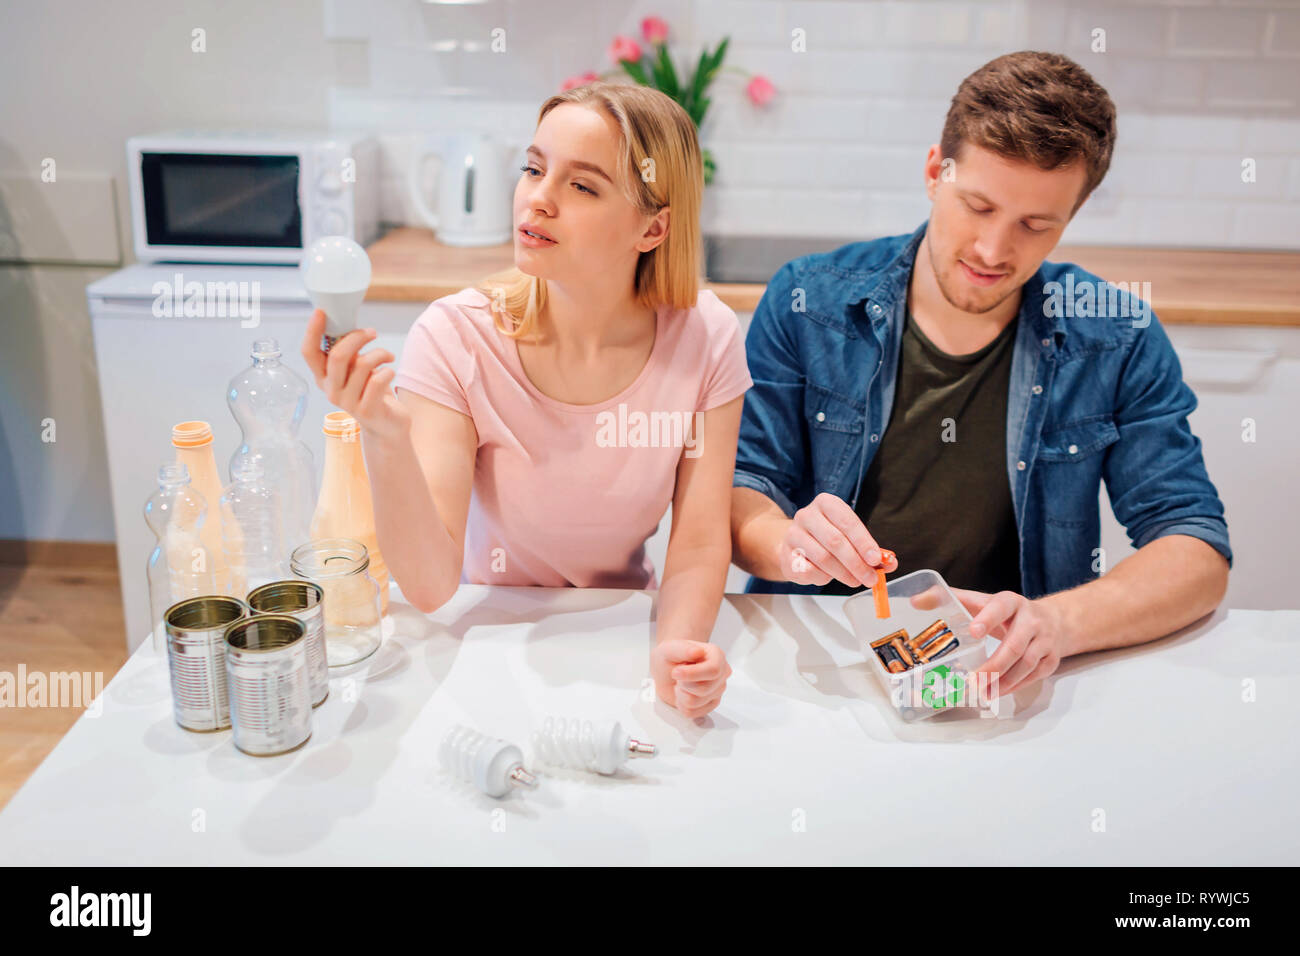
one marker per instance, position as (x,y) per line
(955,398)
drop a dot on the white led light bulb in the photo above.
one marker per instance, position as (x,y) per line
(336,273)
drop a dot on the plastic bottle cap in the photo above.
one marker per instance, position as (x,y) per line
(191,434)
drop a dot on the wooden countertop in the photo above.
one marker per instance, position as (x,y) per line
(1187,286)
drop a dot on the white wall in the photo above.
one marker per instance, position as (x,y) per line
(1200,86)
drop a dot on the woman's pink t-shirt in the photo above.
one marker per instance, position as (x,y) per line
(568,494)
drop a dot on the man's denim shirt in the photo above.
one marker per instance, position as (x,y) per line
(1089,398)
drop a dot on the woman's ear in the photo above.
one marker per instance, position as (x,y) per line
(656,232)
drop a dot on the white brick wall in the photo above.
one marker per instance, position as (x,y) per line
(1201,85)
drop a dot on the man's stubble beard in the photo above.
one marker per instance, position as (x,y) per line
(947,294)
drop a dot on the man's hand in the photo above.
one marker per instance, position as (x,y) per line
(689,675)
(1033,638)
(828,540)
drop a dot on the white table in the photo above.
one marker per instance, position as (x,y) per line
(803,763)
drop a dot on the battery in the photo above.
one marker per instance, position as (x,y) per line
(925,636)
(890,659)
(903,654)
(270,688)
(901,632)
(196,659)
(938,648)
(303,600)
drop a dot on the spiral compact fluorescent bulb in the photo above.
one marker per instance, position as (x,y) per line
(601,745)
(489,763)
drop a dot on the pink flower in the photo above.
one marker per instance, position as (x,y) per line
(654,29)
(624,48)
(760,91)
(581,80)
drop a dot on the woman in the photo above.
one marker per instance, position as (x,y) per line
(541,424)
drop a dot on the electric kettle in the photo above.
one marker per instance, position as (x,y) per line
(474,193)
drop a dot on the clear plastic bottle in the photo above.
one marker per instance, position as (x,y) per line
(179,566)
(251,529)
(193,443)
(345,508)
(268,400)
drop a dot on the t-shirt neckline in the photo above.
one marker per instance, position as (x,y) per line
(967,359)
(541,396)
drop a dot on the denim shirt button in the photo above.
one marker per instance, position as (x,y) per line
(821,416)
(875,438)
(1046,343)
(1073,449)
(1038,390)
(1020,466)
(875,309)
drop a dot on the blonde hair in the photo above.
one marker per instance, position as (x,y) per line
(654,127)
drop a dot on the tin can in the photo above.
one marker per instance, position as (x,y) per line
(270,690)
(196,658)
(300,599)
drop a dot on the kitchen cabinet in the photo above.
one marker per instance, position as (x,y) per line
(1247,385)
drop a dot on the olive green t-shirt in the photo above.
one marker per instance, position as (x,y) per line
(936,492)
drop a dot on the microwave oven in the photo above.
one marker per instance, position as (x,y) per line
(234,196)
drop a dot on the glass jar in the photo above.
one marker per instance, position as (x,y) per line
(353,624)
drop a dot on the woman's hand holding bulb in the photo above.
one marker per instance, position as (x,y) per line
(354,381)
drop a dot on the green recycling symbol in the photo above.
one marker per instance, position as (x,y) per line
(941,688)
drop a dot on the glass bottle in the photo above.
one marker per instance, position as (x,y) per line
(353,620)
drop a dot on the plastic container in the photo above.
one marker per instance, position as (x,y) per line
(179,566)
(250,528)
(916,601)
(345,508)
(268,400)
